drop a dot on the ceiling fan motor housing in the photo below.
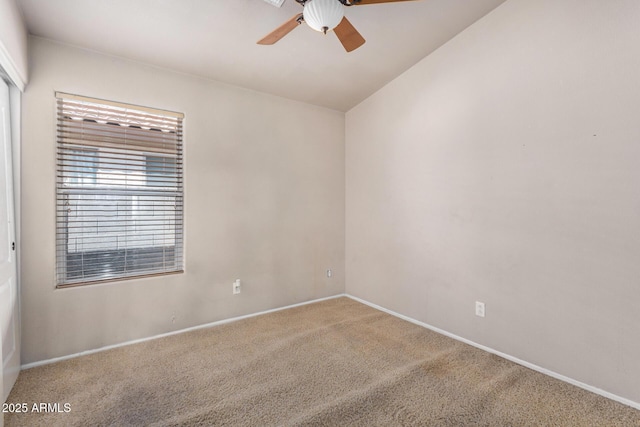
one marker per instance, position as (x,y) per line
(323,15)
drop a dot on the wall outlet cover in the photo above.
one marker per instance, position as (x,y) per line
(479,309)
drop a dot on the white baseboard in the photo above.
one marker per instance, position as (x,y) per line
(193,328)
(524,363)
(529,365)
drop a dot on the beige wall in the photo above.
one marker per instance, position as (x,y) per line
(13,42)
(505,168)
(264,202)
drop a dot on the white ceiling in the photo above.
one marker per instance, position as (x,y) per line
(216,39)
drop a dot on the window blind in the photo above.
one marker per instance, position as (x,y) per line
(119,191)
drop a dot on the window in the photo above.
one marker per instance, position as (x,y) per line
(119,191)
(159,170)
(83,167)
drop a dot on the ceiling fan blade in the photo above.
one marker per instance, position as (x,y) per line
(348,35)
(363,2)
(282,30)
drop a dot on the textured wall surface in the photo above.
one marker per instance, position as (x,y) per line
(264,202)
(13,42)
(503,168)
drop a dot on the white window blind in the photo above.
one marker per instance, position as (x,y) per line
(119,191)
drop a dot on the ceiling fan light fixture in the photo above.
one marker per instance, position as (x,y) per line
(276,3)
(323,15)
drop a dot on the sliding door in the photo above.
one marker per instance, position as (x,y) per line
(9,310)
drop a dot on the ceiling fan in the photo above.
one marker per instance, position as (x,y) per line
(323,16)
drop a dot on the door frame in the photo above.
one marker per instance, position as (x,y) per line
(15,98)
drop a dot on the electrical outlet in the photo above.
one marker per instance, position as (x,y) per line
(479,309)
(236,287)
(329,273)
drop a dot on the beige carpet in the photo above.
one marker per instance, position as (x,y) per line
(336,362)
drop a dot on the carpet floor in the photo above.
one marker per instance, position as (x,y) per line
(332,363)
